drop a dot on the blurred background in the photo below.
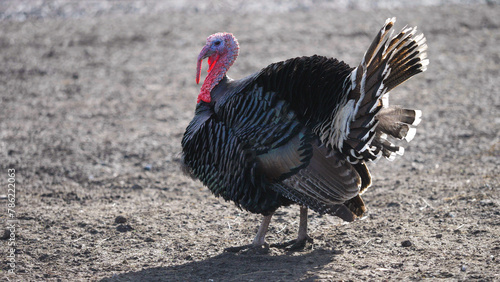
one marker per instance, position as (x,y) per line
(36,9)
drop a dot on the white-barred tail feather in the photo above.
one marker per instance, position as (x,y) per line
(360,126)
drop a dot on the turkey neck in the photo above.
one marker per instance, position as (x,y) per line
(216,73)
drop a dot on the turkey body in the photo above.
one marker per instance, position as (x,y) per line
(254,134)
(300,131)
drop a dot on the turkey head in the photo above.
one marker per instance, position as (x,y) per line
(221,50)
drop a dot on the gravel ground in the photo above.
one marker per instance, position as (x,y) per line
(94,105)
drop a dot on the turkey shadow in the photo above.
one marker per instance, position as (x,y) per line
(237,267)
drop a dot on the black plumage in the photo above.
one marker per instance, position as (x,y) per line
(301,130)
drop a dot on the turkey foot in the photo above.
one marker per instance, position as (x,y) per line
(294,245)
(250,249)
(259,244)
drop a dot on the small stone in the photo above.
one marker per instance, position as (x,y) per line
(487,202)
(463,268)
(406,243)
(439,236)
(43,257)
(6,234)
(393,204)
(120,219)
(49,54)
(148,167)
(149,239)
(124,228)
(136,187)
(337,252)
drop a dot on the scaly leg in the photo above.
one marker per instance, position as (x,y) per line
(260,239)
(302,237)
(303,225)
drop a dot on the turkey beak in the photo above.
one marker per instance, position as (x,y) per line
(205,53)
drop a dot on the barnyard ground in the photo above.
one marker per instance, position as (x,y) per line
(93,109)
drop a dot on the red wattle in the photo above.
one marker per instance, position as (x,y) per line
(211,62)
(204,96)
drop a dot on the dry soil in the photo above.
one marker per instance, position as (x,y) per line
(93,110)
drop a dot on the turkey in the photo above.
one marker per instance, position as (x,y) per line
(301,130)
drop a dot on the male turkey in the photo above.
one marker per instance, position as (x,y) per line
(300,131)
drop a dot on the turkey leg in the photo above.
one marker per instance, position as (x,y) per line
(260,239)
(302,237)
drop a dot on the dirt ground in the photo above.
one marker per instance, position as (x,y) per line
(93,110)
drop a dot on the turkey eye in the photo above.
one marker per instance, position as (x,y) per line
(217,43)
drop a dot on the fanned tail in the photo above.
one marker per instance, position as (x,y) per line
(365,120)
